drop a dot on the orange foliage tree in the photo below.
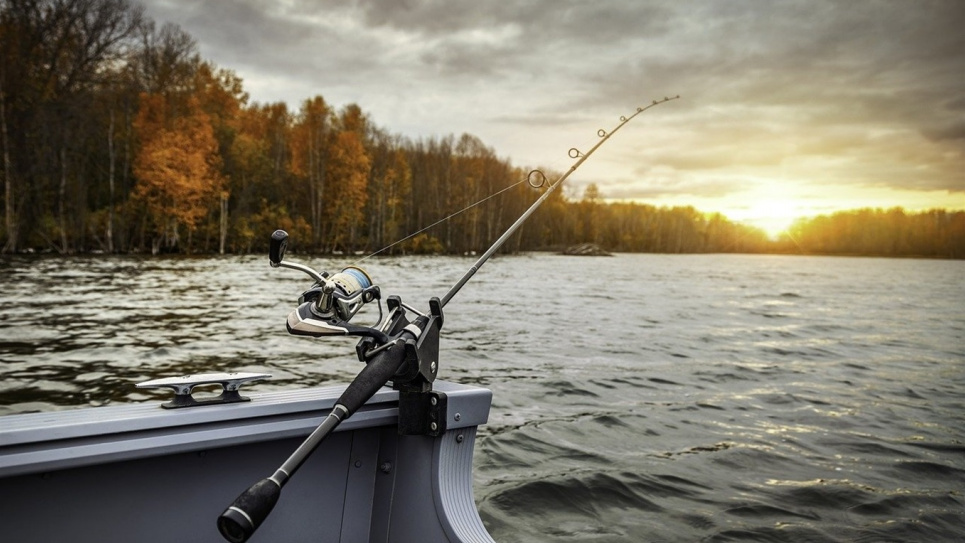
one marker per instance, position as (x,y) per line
(178,169)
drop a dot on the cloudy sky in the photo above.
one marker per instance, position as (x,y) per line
(787,108)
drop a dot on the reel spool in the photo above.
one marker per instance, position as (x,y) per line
(342,295)
(351,280)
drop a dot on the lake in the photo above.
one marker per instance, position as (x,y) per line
(636,398)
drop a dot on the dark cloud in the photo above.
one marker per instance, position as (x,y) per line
(950,131)
(541,23)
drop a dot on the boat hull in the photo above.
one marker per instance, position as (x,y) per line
(141,473)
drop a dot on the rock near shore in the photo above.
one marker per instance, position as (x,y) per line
(586,249)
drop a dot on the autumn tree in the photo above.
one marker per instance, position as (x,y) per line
(178,169)
(349,172)
(390,186)
(221,96)
(160,61)
(468,185)
(249,173)
(164,60)
(309,151)
(431,164)
(55,56)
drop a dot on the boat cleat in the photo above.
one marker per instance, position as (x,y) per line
(183,386)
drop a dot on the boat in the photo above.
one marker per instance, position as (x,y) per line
(139,472)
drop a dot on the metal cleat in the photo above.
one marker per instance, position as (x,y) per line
(182,386)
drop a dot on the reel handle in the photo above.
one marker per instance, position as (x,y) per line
(276,249)
(276,252)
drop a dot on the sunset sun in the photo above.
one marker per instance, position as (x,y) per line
(773,216)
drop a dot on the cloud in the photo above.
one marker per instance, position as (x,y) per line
(954,130)
(852,93)
(664,182)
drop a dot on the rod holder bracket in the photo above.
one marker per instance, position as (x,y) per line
(422,413)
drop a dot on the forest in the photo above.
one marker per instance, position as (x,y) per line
(118,137)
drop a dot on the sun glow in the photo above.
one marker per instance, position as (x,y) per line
(772,216)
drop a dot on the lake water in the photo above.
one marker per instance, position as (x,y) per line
(636,398)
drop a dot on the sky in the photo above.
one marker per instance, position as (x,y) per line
(787,108)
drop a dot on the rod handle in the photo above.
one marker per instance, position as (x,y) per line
(248,511)
(240,520)
(373,376)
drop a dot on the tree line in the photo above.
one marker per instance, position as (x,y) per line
(935,233)
(118,137)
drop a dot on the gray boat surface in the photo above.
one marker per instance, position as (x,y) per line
(137,472)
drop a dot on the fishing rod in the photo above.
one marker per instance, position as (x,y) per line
(573,153)
(396,349)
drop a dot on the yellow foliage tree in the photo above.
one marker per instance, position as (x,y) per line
(349,167)
(398,187)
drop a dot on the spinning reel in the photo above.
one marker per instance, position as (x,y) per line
(327,307)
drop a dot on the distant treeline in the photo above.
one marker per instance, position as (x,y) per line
(880,232)
(116,136)
(624,227)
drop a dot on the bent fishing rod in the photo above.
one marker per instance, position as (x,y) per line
(396,349)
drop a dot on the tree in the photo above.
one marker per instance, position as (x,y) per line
(309,150)
(165,60)
(590,213)
(349,171)
(56,56)
(178,169)
(390,186)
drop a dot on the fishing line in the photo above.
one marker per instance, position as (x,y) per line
(580,157)
(528,179)
(536,178)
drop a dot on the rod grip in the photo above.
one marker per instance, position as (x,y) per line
(373,376)
(248,511)
(240,520)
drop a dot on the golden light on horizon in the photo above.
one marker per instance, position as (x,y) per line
(772,216)
(774,204)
